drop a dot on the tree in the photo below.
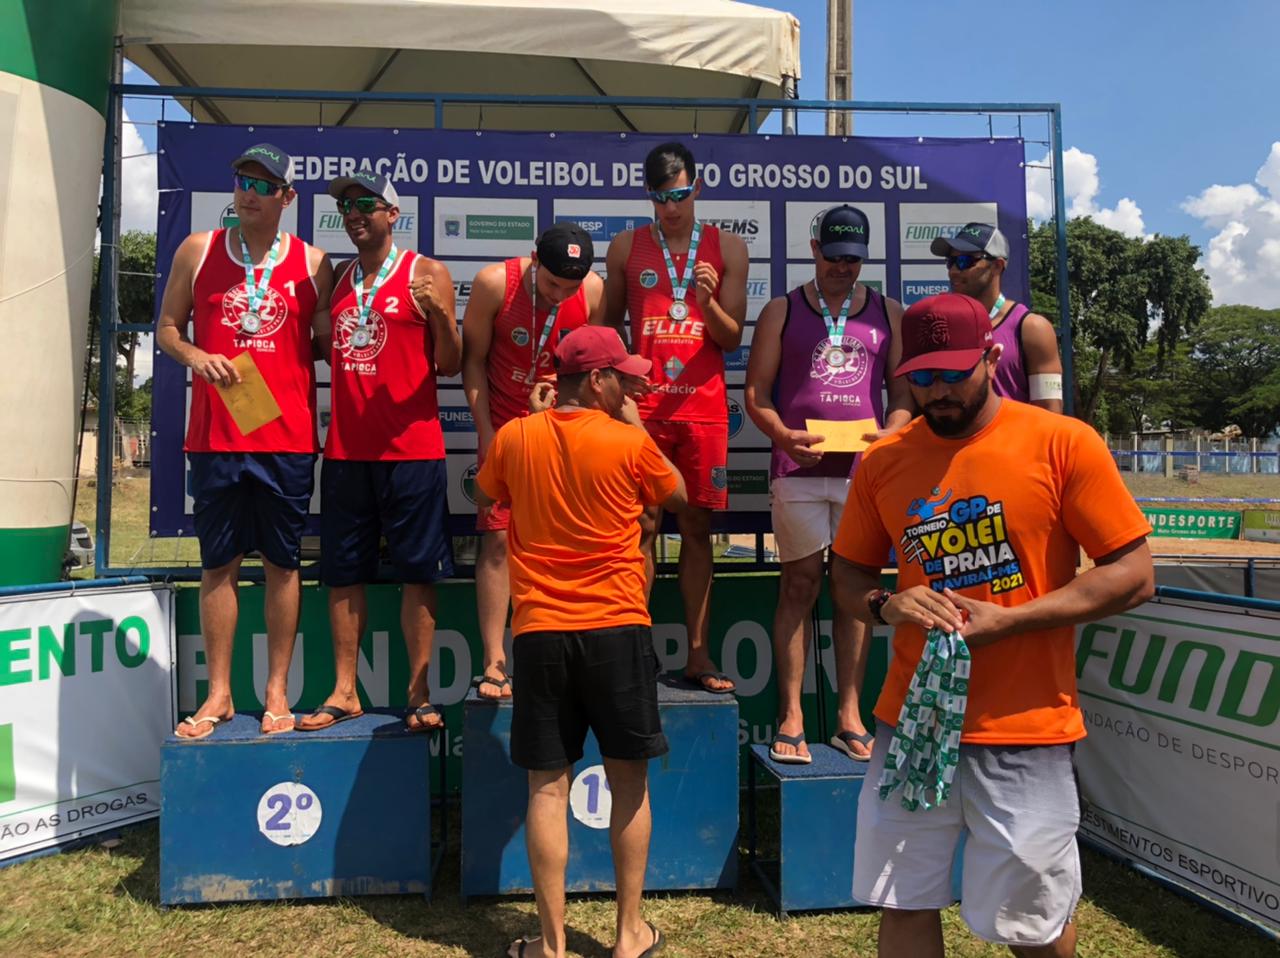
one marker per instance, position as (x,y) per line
(136,302)
(1236,355)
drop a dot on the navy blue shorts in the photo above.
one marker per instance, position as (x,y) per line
(246,501)
(406,501)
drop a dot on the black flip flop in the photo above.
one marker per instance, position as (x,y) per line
(422,711)
(517,947)
(499,684)
(795,741)
(698,681)
(844,739)
(334,712)
(658,942)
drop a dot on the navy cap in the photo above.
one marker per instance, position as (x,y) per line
(270,157)
(843,231)
(972,238)
(375,183)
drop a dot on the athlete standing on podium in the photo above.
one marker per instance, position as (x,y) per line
(249,289)
(684,285)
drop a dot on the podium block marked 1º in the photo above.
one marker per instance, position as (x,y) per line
(250,817)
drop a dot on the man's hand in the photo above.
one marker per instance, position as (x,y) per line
(543,396)
(705,279)
(636,387)
(797,444)
(986,622)
(924,607)
(630,412)
(428,297)
(215,368)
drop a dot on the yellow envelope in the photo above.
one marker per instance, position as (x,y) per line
(841,435)
(249,401)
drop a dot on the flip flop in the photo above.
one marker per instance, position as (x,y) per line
(213,720)
(499,684)
(658,942)
(517,947)
(335,713)
(699,681)
(844,739)
(794,758)
(272,717)
(422,711)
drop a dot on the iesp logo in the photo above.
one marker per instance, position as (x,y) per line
(648,278)
(736,418)
(468,482)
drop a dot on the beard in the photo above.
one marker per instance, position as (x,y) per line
(961,414)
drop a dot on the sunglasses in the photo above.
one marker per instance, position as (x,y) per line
(678,195)
(847,260)
(924,378)
(966,261)
(365,204)
(252,184)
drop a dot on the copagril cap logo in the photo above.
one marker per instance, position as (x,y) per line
(974,231)
(855,228)
(264,151)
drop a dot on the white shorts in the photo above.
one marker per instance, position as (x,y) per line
(806,513)
(1021,865)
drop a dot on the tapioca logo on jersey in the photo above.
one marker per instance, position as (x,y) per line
(273,309)
(960,543)
(359,347)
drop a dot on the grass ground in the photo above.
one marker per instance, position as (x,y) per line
(103,902)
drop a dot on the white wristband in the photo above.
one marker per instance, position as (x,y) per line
(1045,386)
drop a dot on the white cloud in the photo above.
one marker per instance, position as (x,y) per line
(1081,183)
(1243,257)
(138,181)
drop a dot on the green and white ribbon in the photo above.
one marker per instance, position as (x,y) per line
(925,748)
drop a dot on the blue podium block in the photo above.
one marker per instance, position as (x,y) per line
(250,817)
(693,792)
(817,825)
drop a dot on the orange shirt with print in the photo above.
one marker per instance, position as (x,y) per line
(999,516)
(577,482)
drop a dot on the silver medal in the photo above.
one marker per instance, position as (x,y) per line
(250,322)
(678,311)
(360,337)
(836,357)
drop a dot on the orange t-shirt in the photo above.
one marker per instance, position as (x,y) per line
(1000,517)
(577,482)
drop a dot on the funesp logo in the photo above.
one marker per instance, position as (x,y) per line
(920,232)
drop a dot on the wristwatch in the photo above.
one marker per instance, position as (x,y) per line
(876,603)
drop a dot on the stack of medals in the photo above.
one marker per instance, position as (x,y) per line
(834,355)
(362,335)
(539,340)
(679,309)
(251,319)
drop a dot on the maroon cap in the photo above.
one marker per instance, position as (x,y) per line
(947,331)
(597,347)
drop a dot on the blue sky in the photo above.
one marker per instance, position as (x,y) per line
(1169,114)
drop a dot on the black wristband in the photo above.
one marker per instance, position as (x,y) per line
(876,603)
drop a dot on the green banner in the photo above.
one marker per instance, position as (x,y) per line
(1192,523)
(741,641)
(1262,525)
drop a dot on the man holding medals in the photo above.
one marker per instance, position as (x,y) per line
(384,462)
(825,351)
(249,289)
(1030,368)
(684,285)
(518,311)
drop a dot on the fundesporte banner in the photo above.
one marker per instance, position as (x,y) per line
(86,698)
(1181,769)
(473,197)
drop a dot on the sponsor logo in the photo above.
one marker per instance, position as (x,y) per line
(405,224)
(452,226)
(456,419)
(262,151)
(520,336)
(573,249)
(737,360)
(331,221)
(489,226)
(757,288)
(648,278)
(750,481)
(736,418)
(605,228)
(468,482)
(228,217)
(719,477)
(853,229)
(962,543)
(273,310)
(673,368)
(922,232)
(359,349)
(914,290)
(743,227)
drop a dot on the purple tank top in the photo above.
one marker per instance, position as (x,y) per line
(809,387)
(1011,371)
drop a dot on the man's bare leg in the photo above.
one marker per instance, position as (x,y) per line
(219,608)
(798,588)
(547,841)
(630,825)
(418,622)
(914,933)
(695,588)
(493,597)
(348,612)
(1064,947)
(282,607)
(852,640)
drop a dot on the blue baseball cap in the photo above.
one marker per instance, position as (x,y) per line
(270,157)
(375,183)
(843,231)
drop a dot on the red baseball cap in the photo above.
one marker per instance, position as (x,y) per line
(597,347)
(947,331)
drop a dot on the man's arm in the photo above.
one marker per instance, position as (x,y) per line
(902,408)
(854,584)
(593,290)
(175,314)
(762,372)
(321,320)
(726,312)
(615,284)
(630,414)
(477,337)
(432,289)
(1040,353)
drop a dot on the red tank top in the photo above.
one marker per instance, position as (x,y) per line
(516,336)
(688,367)
(281,348)
(384,403)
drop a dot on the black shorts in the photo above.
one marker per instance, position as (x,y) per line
(251,500)
(567,682)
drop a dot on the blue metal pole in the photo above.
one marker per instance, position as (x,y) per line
(109,232)
(74,585)
(1064,303)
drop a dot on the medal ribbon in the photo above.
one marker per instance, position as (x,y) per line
(835,328)
(257,292)
(995,310)
(680,287)
(925,748)
(539,340)
(357,283)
